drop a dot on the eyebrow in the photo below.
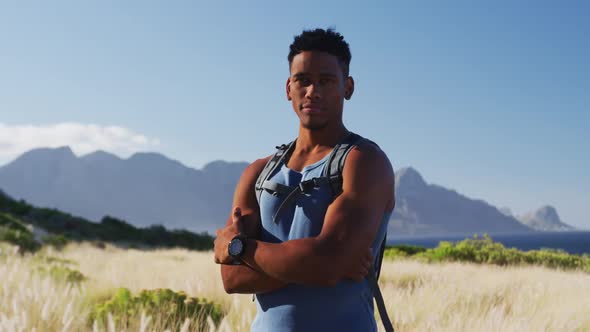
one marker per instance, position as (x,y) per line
(328,75)
(299,75)
(325,74)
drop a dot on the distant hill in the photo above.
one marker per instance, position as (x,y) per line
(149,188)
(545,219)
(28,227)
(423,209)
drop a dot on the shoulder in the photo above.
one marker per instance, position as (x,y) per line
(252,171)
(368,167)
(244,193)
(367,155)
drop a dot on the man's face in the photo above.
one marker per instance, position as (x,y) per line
(317,88)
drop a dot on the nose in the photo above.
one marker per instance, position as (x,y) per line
(312,92)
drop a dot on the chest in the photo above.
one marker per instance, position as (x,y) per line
(298,162)
(299,218)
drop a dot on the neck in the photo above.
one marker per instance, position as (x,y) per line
(309,140)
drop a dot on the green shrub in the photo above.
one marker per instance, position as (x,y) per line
(14,231)
(394,253)
(58,241)
(8,221)
(485,250)
(164,305)
(23,239)
(62,273)
(401,251)
(406,248)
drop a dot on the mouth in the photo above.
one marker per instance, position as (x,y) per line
(311,109)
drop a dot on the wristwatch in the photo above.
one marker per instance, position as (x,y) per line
(237,247)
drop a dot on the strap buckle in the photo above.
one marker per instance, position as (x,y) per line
(307,185)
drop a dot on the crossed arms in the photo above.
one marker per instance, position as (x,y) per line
(341,250)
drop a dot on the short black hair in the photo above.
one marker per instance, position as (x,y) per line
(328,41)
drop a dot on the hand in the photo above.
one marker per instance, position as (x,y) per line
(225,235)
(359,267)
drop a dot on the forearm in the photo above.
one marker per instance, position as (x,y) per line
(245,280)
(304,261)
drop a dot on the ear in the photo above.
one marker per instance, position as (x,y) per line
(348,88)
(288,88)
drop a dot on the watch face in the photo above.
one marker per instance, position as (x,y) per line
(235,247)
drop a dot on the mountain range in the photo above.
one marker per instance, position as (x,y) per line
(149,188)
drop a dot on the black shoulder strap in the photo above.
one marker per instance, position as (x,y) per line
(273,163)
(335,166)
(379,260)
(379,301)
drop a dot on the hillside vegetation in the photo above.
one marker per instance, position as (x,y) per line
(483,250)
(61,227)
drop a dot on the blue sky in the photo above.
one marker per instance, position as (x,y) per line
(491,99)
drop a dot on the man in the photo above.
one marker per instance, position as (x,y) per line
(308,263)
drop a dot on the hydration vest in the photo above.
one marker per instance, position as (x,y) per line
(332,175)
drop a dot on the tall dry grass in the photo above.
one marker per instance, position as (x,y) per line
(30,301)
(468,297)
(419,296)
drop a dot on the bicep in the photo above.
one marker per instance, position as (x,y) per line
(353,219)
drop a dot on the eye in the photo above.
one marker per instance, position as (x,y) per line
(304,81)
(301,80)
(326,81)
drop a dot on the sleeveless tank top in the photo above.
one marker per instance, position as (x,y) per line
(346,307)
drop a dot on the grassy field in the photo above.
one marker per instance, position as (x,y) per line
(58,291)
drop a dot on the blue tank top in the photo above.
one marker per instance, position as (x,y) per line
(346,307)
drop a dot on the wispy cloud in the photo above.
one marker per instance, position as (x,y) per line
(82,138)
